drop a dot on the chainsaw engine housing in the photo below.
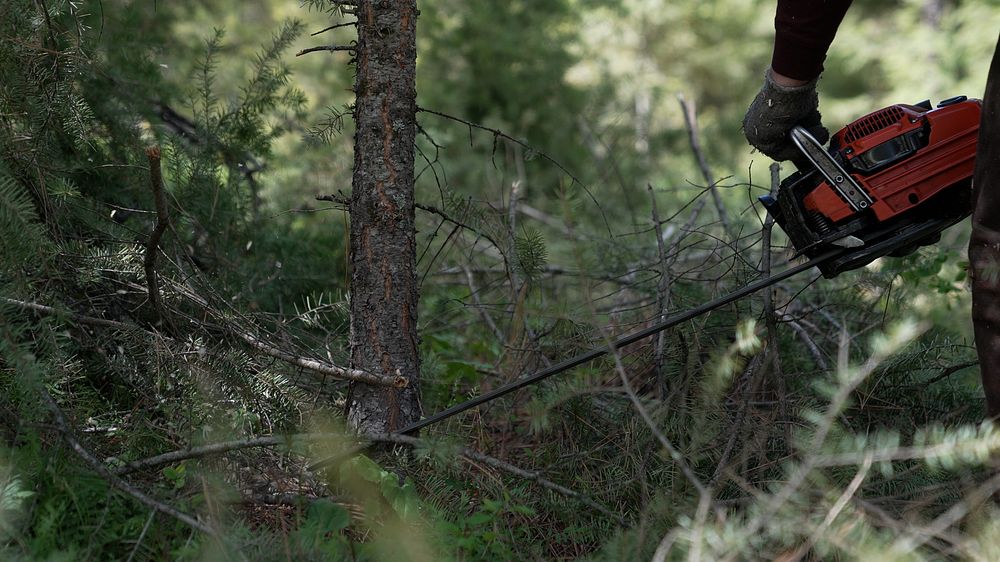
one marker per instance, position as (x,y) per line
(914,163)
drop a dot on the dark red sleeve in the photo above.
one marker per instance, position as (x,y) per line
(804,30)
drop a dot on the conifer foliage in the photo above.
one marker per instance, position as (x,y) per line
(184,331)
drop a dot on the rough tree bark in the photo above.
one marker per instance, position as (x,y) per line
(383,238)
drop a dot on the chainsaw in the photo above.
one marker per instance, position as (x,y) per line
(890,182)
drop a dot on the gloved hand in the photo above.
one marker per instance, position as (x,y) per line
(775,111)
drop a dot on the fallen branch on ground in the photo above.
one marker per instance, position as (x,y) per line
(113,479)
(273,440)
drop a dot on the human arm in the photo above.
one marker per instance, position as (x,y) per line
(804,30)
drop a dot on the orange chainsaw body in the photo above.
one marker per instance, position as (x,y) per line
(914,162)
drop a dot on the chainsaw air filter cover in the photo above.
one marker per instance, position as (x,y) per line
(913,165)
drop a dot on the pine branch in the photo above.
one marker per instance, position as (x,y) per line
(265,348)
(79,318)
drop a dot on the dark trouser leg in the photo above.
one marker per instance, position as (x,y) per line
(984,246)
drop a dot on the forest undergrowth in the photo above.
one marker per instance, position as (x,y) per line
(173,334)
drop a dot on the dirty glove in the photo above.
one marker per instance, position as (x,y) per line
(775,111)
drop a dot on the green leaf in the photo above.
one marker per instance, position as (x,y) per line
(329,516)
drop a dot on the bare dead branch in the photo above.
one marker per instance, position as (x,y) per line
(662,295)
(691,122)
(356,375)
(331,48)
(258,344)
(541,216)
(217,449)
(332,27)
(814,350)
(162,222)
(949,371)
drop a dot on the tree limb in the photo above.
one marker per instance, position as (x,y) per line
(217,449)
(691,120)
(258,344)
(331,48)
(332,27)
(357,375)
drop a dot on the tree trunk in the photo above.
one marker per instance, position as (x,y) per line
(383,238)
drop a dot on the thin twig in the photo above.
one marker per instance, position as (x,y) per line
(497,133)
(917,537)
(331,48)
(428,208)
(691,121)
(531,475)
(674,453)
(662,296)
(332,27)
(142,535)
(835,511)
(770,316)
(474,293)
(217,449)
(824,427)
(262,346)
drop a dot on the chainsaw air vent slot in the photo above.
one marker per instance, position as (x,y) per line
(872,123)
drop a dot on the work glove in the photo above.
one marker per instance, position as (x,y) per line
(775,111)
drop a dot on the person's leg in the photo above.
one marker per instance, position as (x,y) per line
(984,245)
